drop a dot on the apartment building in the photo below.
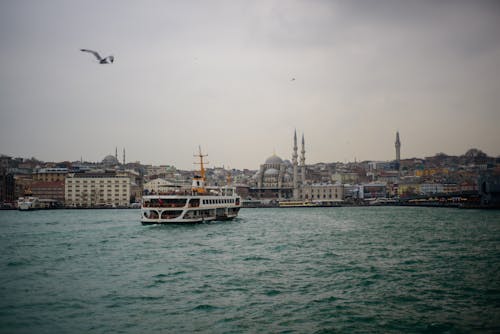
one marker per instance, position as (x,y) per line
(97,190)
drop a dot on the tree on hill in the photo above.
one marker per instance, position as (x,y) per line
(475,156)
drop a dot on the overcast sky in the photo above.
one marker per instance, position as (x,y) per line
(219,74)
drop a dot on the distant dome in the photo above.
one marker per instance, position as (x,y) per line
(274,160)
(110,160)
(271,172)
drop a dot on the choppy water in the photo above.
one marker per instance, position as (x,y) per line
(383,269)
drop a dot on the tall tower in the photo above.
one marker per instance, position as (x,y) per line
(303,162)
(295,167)
(116,153)
(124,155)
(397,144)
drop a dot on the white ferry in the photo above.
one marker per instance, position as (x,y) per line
(297,204)
(28,203)
(309,203)
(200,204)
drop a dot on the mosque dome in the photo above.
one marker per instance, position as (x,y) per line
(271,172)
(274,160)
(110,160)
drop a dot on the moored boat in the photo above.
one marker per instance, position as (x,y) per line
(308,203)
(297,204)
(28,203)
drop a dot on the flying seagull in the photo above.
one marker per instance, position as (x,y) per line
(107,60)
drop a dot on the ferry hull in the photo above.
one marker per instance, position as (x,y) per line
(164,209)
(184,221)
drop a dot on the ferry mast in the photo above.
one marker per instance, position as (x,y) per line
(199,181)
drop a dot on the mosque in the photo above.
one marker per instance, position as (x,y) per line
(111,161)
(278,178)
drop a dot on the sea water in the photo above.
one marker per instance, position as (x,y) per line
(294,270)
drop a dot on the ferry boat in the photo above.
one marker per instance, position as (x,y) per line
(307,204)
(199,204)
(296,204)
(28,203)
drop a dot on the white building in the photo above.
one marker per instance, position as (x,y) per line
(158,170)
(158,186)
(431,188)
(97,189)
(323,192)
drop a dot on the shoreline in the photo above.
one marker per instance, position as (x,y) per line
(451,205)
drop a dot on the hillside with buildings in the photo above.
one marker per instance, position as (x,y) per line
(472,179)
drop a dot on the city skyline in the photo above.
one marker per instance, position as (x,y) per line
(239,77)
(115,160)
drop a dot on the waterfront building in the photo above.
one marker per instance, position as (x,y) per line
(136,183)
(22,184)
(323,192)
(50,175)
(97,189)
(7,187)
(373,190)
(49,190)
(158,186)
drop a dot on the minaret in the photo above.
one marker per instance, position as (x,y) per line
(398,151)
(303,161)
(116,153)
(124,156)
(295,167)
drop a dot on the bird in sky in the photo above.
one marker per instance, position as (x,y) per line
(106,60)
(293,79)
